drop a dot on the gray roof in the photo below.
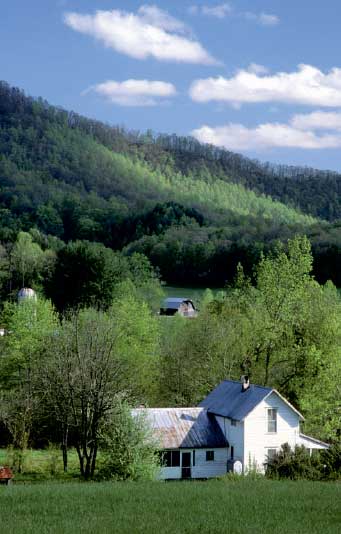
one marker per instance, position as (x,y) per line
(184,428)
(229,400)
(175,302)
(314,440)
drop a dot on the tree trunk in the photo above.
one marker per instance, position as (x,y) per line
(81,460)
(64,447)
(93,462)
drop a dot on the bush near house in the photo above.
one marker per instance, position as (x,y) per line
(298,464)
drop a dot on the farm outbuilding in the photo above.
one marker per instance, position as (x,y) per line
(238,426)
(181,305)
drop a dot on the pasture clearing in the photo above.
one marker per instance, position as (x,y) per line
(240,506)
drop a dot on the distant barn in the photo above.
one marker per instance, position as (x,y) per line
(180,305)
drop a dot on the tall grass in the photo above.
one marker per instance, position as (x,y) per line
(238,507)
(40,464)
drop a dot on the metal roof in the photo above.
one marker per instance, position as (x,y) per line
(184,428)
(175,302)
(229,400)
(314,440)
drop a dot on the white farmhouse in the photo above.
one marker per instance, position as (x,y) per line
(236,427)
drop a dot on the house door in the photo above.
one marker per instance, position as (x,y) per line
(186,465)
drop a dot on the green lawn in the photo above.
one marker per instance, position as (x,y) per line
(41,464)
(244,506)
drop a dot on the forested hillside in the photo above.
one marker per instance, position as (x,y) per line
(195,211)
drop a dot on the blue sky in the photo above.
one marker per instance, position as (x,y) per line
(260,77)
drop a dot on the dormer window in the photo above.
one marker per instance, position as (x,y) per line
(272,420)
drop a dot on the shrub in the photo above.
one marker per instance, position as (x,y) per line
(128,448)
(294,464)
(331,462)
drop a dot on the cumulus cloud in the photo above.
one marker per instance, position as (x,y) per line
(162,19)
(317,120)
(255,68)
(151,32)
(308,86)
(264,136)
(134,92)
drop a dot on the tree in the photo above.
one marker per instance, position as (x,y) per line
(85,275)
(82,378)
(93,360)
(137,343)
(26,257)
(29,326)
(128,447)
(321,398)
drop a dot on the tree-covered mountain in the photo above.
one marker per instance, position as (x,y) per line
(194,210)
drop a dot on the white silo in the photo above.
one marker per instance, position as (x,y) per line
(25,294)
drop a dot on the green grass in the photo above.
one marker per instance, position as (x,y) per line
(244,506)
(41,464)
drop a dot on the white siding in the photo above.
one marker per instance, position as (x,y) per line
(257,439)
(202,468)
(234,436)
(169,473)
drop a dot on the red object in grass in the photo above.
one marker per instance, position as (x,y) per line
(5,474)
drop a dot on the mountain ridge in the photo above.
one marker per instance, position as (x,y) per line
(76,178)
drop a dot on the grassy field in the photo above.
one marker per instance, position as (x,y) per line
(243,506)
(41,464)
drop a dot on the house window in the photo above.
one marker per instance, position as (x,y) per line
(171,459)
(272,420)
(209,456)
(193,462)
(233,422)
(232,452)
(270,454)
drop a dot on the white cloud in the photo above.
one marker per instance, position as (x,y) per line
(151,32)
(265,19)
(308,86)
(255,68)
(151,14)
(318,120)
(265,136)
(220,11)
(134,92)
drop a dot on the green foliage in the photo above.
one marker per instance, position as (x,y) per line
(331,461)
(86,274)
(26,257)
(129,450)
(29,324)
(194,210)
(283,332)
(136,344)
(295,464)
